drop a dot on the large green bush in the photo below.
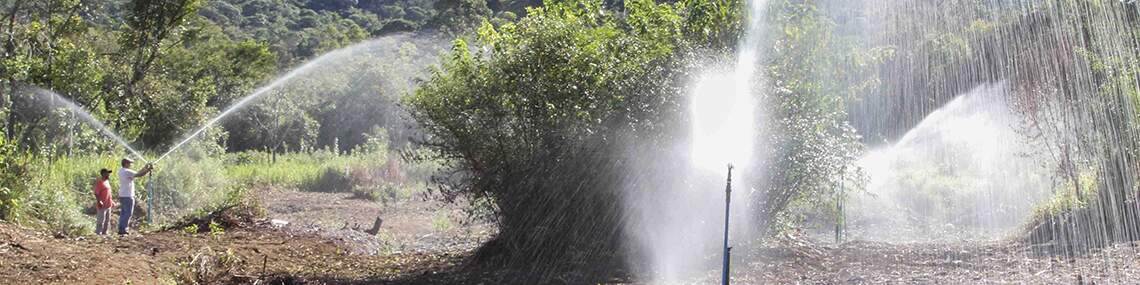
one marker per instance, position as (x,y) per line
(536,117)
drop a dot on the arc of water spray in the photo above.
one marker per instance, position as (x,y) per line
(239,104)
(86,116)
(265,89)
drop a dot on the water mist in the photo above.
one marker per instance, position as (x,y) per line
(329,60)
(962,174)
(53,100)
(677,223)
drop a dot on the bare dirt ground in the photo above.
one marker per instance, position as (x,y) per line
(417,238)
(237,256)
(411,225)
(797,260)
(417,245)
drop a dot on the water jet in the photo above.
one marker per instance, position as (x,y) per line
(677,226)
(280,81)
(962,174)
(55,100)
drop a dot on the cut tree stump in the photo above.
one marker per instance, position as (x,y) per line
(375,226)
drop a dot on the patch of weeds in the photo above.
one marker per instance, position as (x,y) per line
(229,258)
(167,280)
(384,192)
(216,230)
(408,190)
(387,243)
(1066,200)
(210,267)
(333,179)
(441,222)
(191,183)
(391,191)
(371,193)
(191,229)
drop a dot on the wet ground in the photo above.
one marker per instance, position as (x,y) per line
(417,237)
(415,224)
(798,260)
(416,246)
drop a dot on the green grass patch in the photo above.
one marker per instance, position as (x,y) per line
(1066,199)
(441,222)
(298,170)
(371,173)
(56,194)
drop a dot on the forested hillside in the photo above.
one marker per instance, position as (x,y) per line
(155,69)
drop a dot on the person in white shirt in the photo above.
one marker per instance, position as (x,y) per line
(127,192)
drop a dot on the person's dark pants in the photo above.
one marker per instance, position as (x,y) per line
(126,208)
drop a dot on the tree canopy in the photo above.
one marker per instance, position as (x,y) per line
(535,116)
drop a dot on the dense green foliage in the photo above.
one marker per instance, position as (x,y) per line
(815,73)
(1090,123)
(535,116)
(156,69)
(1071,67)
(147,69)
(12,188)
(341,104)
(566,131)
(153,70)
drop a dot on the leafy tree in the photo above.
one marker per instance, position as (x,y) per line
(417,14)
(44,46)
(151,23)
(344,97)
(397,26)
(278,124)
(456,17)
(367,21)
(206,70)
(814,148)
(392,11)
(221,12)
(1086,118)
(331,4)
(538,120)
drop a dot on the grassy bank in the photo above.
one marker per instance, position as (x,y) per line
(55,194)
(375,175)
